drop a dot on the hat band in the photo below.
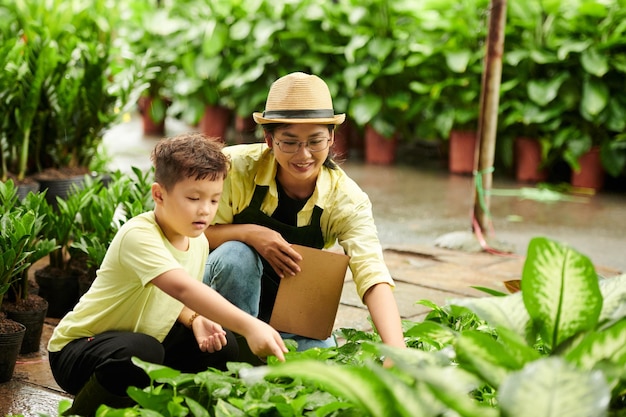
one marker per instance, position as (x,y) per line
(299,114)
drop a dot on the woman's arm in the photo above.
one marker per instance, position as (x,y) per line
(385,315)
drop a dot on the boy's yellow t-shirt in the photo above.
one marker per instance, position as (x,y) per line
(122,296)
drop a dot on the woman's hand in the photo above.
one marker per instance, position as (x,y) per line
(210,336)
(276,250)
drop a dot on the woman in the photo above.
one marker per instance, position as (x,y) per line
(289,191)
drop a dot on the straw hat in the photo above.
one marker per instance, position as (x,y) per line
(299,98)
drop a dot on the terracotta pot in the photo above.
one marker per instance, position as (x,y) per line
(150,127)
(379,149)
(461,156)
(528,160)
(591,174)
(215,122)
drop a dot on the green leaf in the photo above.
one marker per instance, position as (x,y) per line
(365,108)
(508,312)
(614,298)
(595,96)
(543,92)
(607,345)
(594,62)
(553,388)
(457,61)
(439,386)
(560,290)
(483,355)
(361,386)
(156,371)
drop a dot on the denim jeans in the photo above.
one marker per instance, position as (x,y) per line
(234,270)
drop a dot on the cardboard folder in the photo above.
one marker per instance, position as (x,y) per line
(306,304)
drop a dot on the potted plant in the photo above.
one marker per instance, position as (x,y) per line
(375,77)
(106,210)
(21,304)
(58,282)
(72,85)
(199,98)
(16,229)
(152,33)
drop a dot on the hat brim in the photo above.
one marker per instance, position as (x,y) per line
(336,120)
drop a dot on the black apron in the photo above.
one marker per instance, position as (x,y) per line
(310,235)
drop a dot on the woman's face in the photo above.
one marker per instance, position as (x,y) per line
(300,150)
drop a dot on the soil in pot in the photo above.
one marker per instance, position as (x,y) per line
(31,312)
(60,182)
(11,336)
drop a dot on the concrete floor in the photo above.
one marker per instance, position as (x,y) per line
(415,206)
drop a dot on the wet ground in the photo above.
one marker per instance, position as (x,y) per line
(415,205)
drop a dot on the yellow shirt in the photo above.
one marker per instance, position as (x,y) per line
(122,297)
(347,216)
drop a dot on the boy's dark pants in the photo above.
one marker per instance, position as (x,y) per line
(108,357)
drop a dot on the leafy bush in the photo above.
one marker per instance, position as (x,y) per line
(556,348)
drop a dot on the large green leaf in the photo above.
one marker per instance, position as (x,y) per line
(440,386)
(614,298)
(544,91)
(508,312)
(595,96)
(483,355)
(553,388)
(607,345)
(560,290)
(359,385)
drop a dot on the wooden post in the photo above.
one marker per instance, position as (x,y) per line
(488,115)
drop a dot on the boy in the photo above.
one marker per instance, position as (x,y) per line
(148,299)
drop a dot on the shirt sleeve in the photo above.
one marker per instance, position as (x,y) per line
(348,220)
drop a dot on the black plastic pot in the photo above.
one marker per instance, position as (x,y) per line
(33,320)
(10,344)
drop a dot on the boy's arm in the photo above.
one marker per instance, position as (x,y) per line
(261,337)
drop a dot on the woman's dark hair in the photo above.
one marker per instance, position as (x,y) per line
(331,161)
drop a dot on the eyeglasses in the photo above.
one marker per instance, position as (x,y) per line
(293,146)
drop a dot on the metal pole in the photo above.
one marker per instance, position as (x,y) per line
(488,115)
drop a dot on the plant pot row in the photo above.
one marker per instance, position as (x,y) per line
(528,161)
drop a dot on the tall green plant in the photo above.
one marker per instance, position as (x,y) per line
(38,246)
(66,82)
(63,222)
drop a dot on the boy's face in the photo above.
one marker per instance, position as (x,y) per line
(188,208)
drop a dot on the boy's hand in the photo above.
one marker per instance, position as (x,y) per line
(264,341)
(210,336)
